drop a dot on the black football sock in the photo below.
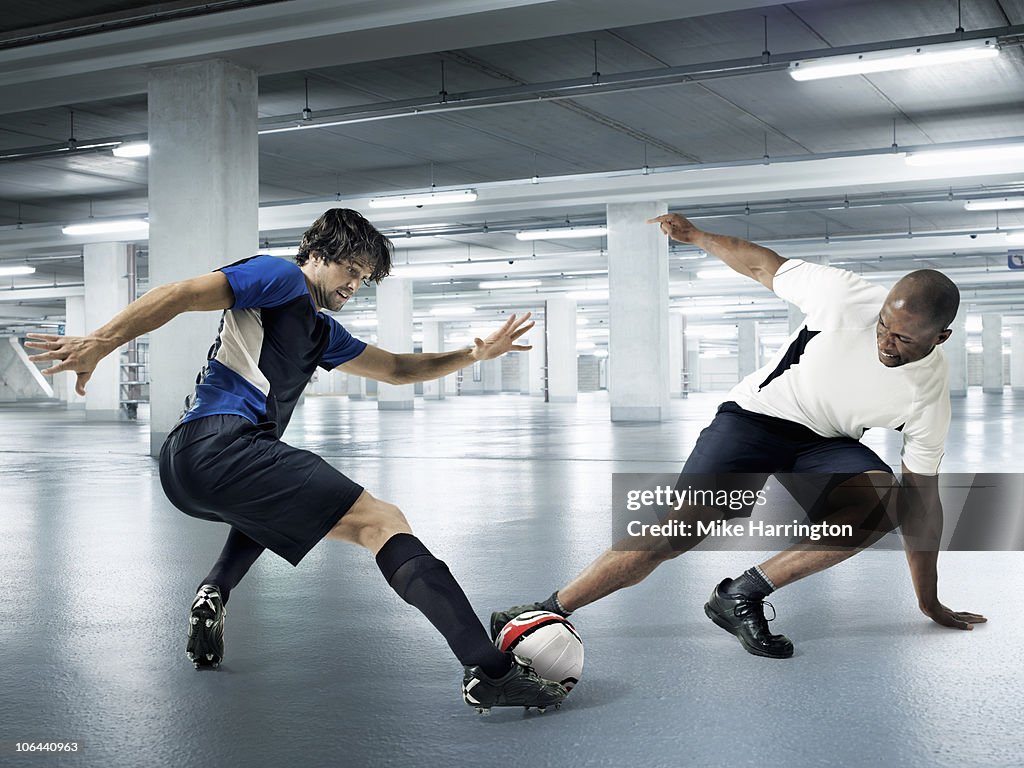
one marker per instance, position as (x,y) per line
(425,583)
(235,560)
(752,583)
(552,605)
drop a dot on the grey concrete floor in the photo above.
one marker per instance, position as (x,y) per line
(325,666)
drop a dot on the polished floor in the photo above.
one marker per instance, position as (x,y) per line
(325,666)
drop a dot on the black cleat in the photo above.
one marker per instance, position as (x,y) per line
(519,687)
(206,628)
(743,616)
(500,618)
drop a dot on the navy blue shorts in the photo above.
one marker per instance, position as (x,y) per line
(226,469)
(740,449)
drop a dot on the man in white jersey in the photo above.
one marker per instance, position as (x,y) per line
(866,357)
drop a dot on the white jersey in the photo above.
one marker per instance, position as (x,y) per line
(828,376)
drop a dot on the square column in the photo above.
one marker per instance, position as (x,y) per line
(74,325)
(394,332)
(560,324)
(638,313)
(749,347)
(676,353)
(203,209)
(537,364)
(1017,357)
(992,353)
(433,341)
(955,349)
(106,294)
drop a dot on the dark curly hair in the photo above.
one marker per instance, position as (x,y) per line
(341,234)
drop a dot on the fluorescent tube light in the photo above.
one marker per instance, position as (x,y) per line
(996,152)
(1015,238)
(596,294)
(562,233)
(453,310)
(490,284)
(109,226)
(427,198)
(1004,204)
(891,60)
(19,270)
(132,149)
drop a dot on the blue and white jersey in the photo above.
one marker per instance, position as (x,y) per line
(268,345)
(829,378)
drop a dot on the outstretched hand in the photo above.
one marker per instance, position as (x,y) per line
(947,617)
(77,353)
(675,226)
(501,341)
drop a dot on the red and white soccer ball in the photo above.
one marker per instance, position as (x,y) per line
(550,642)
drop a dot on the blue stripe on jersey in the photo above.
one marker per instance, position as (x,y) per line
(265,281)
(221,390)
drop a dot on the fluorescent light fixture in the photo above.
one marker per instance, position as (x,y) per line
(895,59)
(362,322)
(132,149)
(582,321)
(1015,238)
(289,252)
(427,198)
(962,155)
(600,353)
(585,346)
(490,284)
(717,274)
(454,309)
(1002,204)
(562,233)
(108,227)
(596,294)
(14,271)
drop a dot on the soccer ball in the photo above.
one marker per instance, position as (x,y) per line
(550,642)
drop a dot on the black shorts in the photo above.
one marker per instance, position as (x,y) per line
(226,469)
(740,449)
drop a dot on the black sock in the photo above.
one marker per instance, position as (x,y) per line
(751,583)
(425,583)
(238,555)
(553,606)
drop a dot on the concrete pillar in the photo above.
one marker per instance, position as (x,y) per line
(749,346)
(491,370)
(560,322)
(538,359)
(693,367)
(394,332)
(1017,358)
(638,313)
(203,208)
(433,341)
(20,379)
(676,353)
(955,349)
(106,294)
(74,325)
(992,353)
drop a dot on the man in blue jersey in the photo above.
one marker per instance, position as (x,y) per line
(865,357)
(225,460)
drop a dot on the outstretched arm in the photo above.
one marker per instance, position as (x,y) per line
(391,368)
(920,515)
(154,309)
(747,258)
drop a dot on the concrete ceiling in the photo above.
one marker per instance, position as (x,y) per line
(832,184)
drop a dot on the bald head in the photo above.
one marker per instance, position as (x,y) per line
(928,294)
